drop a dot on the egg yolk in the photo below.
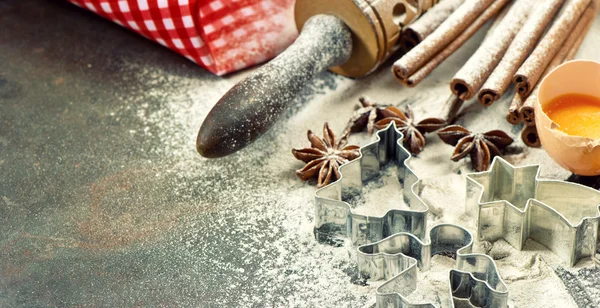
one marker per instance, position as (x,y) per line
(576,114)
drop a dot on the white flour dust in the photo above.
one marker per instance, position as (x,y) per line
(433,285)
(269,212)
(380,195)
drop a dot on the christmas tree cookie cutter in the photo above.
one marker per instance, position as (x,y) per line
(334,217)
(393,245)
(514,204)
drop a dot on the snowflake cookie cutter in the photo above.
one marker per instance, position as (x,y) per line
(394,244)
(514,204)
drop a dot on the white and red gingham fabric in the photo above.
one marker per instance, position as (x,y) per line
(221,35)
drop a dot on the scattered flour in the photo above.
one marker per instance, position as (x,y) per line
(379,195)
(269,213)
(530,275)
(433,284)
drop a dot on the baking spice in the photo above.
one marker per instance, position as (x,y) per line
(413,133)
(530,72)
(469,79)
(440,38)
(565,53)
(518,50)
(481,147)
(325,156)
(366,116)
(450,109)
(530,137)
(427,67)
(269,214)
(416,32)
(513,116)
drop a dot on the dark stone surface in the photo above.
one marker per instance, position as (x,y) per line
(92,214)
(73,177)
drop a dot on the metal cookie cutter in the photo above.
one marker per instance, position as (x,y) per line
(399,237)
(474,279)
(515,204)
(334,217)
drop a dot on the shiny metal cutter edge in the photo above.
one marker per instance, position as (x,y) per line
(474,279)
(514,204)
(334,217)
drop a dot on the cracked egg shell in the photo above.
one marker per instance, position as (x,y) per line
(580,155)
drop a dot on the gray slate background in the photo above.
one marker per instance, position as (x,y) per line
(85,218)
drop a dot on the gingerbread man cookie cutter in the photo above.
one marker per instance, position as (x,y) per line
(393,245)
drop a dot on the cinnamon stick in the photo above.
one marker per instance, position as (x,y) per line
(469,79)
(514,115)
(530,137)
(519,49)
(418,76)
(451,108)
(416,32)
(440,38)
(573,51)
(499,17)
(566,52)
(530,72)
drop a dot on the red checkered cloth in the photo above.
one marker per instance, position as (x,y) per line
(221,35)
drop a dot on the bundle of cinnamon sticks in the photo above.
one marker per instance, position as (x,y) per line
(527,39)
(559,44)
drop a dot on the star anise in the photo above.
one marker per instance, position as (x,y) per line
(482,147)
(413,133)
(365,116)
(325,156)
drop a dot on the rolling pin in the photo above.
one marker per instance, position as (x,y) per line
(348,37)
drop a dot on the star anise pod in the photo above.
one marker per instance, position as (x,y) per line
(365,116)
(325,156)
(413,133)
(482,147)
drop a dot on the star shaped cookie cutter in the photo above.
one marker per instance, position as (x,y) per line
(394,244)
(514,204)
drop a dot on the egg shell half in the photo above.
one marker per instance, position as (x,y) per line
(580,155)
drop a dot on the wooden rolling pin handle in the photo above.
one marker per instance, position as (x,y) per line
(253,105)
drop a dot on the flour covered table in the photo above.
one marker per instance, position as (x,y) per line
(105,202)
